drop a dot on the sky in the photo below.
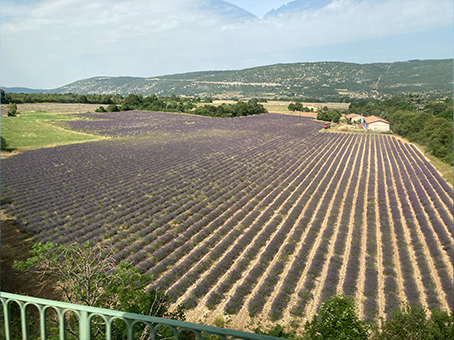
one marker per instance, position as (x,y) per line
(45,44)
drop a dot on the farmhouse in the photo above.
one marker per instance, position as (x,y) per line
(353,117)
(375,124)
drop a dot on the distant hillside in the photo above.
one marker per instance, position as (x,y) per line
(21,90)
(317,80)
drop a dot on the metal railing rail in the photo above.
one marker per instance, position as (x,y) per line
(85,315)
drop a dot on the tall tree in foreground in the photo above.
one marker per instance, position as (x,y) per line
(88,274)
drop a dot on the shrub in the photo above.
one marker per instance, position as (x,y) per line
(4,144)
(411,322)
(337,319)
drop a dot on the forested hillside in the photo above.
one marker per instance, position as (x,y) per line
(321,80)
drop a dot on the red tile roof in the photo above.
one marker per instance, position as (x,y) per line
(373,119)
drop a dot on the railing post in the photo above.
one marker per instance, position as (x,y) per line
(24,320)
(7,319)
(61,324)
(84,326)
(42,321)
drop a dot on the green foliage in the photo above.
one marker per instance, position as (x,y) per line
(112,108)
(12,110)
(337,319)
(88,275)
(4,144)
(60,98)
(298,106)
(329,116)
(434,132)
(412,322)
(277,331)
(252,107)
(101,109)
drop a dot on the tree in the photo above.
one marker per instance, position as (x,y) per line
(112,108)
(88,274)
(411,322)
(337,319)
(334,116)
(297,106)
(12,109)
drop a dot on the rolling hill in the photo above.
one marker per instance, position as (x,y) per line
(309,79)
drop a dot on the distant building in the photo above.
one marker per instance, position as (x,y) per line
(5,110)
(375,124)
(353,117)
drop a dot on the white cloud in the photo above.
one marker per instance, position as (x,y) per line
(54,42)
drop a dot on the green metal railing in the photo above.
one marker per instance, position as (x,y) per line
(85,316)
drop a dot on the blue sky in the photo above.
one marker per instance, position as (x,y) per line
(50,43)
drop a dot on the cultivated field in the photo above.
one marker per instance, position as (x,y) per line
(259,216)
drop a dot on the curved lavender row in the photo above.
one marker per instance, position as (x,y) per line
(440,231)
(429,174)
(222,267)
(411,290)
(216,296)
(432,174)
(432,296)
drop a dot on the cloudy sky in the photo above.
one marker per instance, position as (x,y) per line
(49,43)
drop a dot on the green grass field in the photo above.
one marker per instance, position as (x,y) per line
(31,130)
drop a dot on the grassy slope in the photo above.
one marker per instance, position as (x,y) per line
(30,130)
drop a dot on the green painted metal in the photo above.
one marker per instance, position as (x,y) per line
(85,314)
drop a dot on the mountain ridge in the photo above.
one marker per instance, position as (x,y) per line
(308,79)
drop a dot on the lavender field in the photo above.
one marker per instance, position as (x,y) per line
(261,216)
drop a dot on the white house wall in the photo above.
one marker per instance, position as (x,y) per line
(378,126)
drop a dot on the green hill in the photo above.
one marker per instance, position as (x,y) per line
(318,80)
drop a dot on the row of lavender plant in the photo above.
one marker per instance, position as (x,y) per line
(431,194)
(429,175)
(323,190)
(219,250)
(429,238)
(411,289)
(371,274)
(254,193)
(332,279)
(391,289)
(217,295)
(350,283)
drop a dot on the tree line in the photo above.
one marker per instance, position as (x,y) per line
(139,102)
(71,98)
